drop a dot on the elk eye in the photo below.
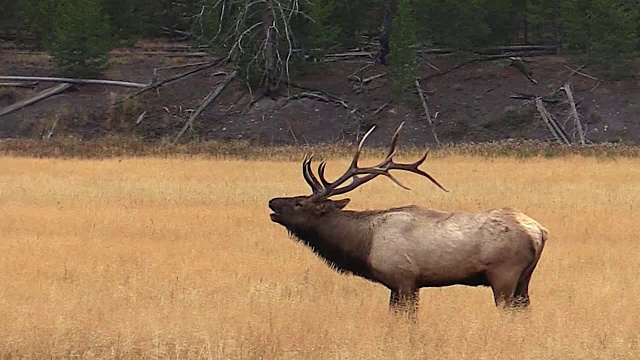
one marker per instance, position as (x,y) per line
(298,205)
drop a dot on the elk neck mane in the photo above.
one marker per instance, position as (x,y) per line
(343,240)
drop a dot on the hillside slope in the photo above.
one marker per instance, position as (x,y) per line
(472,103)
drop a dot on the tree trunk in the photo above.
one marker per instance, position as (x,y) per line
(387,22)
(525,23)
(270,50)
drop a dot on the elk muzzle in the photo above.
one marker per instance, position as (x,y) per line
(276,205)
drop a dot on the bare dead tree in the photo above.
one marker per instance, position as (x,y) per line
(427,114)
(258,37)
(568,88)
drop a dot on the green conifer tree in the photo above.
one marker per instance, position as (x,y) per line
(402,42)
(605,31)
(81,38)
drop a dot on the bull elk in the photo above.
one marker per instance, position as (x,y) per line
(410,247)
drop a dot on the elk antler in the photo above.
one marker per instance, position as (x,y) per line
(324,189)
(311,179)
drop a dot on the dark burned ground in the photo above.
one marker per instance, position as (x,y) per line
(472,102)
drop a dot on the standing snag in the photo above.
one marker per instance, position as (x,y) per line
(410,247)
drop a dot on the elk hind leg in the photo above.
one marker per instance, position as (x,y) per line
(504,284)
(521,295)
(522,289)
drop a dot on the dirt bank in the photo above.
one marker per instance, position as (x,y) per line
(472,104)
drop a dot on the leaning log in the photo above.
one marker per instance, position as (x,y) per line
(34,99)
(574,112)
(171,79)
(73,81)
(553,126)
(212,96)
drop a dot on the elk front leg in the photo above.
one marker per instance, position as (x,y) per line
(405,302)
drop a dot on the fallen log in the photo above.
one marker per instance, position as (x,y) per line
(521,64)
(19,84)
(212,96)
(329,96)
(523,96)
(170,79)
(350,54)
(183,65)
(467,62)
(314,96)
(73,81)
(552,124)
(34,99)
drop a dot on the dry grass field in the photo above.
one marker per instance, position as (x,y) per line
(177,258)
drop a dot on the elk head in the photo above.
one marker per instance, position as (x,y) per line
(301,212)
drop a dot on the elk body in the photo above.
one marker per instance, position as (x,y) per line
(410,247)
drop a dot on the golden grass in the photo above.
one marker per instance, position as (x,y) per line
(177,258)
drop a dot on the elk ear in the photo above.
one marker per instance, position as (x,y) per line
(340,204)
(329,205)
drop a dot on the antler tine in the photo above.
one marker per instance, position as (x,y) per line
(353,169)
(365,136)
(321,168)
(383,168)
(356,156)
(413,167)
(395,180)
(308,175)
(394,141)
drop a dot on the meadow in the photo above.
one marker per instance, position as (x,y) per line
(176,258)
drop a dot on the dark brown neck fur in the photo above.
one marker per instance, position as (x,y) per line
(342,239)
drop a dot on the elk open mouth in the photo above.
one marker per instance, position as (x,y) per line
(275,216)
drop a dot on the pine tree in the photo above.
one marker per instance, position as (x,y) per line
(402,42)
(322,32)
(124,19)
(37,16)
(545,21)
(458,24)
(605,31)
(81,38)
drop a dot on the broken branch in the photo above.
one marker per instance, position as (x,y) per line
(381,108)
(371,78)
(577,71)
(53,127)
